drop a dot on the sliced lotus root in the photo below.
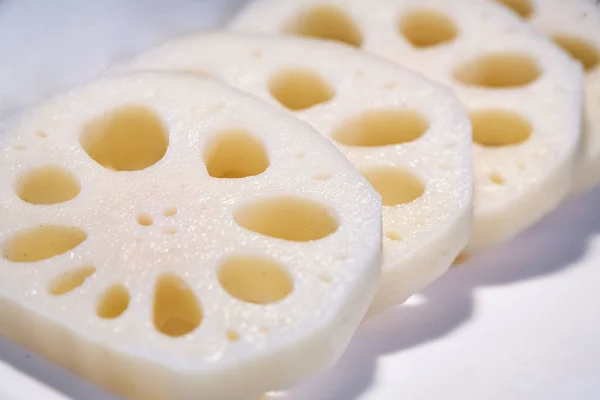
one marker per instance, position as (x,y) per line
(523,94)
(408,136)
(575,26)
(169,237)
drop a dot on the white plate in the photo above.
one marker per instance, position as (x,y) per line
(518,322)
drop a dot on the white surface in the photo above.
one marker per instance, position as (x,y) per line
(518,322)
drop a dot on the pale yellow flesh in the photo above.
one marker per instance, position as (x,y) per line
(417,157)
(168,237)
(575,26)
(495,63)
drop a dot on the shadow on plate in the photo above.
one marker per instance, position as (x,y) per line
(550,247)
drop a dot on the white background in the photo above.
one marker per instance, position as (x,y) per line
(518,322)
